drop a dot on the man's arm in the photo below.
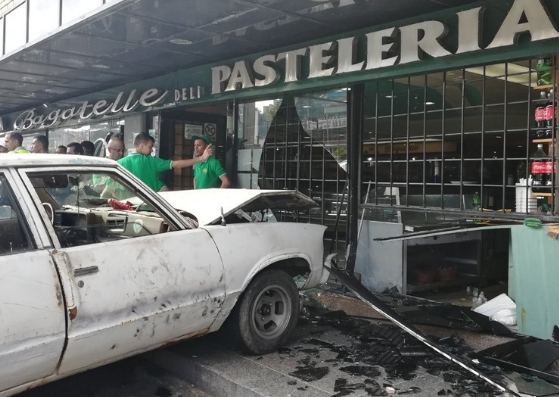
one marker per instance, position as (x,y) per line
(190,162)
(225,182)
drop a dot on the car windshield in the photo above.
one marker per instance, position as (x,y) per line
(92,207)
(88,190)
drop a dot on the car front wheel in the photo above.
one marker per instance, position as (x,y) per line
(267,312)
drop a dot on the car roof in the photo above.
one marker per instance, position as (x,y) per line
(34,160)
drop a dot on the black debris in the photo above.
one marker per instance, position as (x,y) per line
(310,374)
(361,370)
(163,392)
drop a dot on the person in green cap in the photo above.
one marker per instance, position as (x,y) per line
(208,173)
(146,167)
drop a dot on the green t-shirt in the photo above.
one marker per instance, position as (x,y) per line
(208,173)
(19,150)
(146,168)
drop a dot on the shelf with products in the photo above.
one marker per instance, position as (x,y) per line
(544,87)
(543,140)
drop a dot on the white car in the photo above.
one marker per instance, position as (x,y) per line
(96,267)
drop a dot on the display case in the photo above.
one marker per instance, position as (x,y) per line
(448,255)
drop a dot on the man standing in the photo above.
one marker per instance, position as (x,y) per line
(61,149)
(88,148)
(115,151)
(40,144)
(115,148)
(146,168)
(208,173)
(13,141)
(74,148)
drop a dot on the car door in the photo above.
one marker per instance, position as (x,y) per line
(32,311)
(139,277)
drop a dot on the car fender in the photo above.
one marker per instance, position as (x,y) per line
(270,260)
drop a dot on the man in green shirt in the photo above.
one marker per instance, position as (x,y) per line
(208,173)
(146,167)
(13,141)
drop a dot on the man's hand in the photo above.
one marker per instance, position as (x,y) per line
(208,152)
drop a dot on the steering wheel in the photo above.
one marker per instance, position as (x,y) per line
(50,211)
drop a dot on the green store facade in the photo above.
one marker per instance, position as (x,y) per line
(415,138)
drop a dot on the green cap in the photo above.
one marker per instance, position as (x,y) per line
(205,138)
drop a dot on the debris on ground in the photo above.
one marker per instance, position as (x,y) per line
(374,347)
(400,350)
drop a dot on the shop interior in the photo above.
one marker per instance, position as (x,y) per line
(455,150)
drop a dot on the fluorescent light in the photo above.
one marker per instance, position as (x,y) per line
(180,41)
(520,74)
(429,103)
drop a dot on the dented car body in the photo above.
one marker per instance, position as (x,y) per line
(96,267)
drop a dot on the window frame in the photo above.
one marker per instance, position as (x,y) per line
(169,214)
(501,191)
(18,204)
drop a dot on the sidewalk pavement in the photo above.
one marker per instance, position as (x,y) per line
(331,354)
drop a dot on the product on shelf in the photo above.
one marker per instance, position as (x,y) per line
(550,114)
(544,70)
(541,170)
(476,201)
(539,115)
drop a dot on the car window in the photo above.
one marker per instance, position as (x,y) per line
(13,230)
(88,208)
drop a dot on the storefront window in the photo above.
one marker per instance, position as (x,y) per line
(462,140)
(44,16)
(300,144)
(72,9)
(254,123)
(1,36)
(95,133)
(16,28)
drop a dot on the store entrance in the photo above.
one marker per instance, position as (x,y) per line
(177,126)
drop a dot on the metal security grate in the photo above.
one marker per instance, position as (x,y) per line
(459,143)
(305,150)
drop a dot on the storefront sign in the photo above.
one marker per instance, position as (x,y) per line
(385,48)
(185,94)
(29,120)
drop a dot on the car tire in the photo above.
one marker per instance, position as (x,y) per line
(266,313)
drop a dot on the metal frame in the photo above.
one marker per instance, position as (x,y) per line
(499,189)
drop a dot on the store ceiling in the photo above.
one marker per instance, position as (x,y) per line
(137,39)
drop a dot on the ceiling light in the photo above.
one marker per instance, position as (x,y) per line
(180,41)
(72,61)
(520,74)
(391,96)
(100,66)
(429,103)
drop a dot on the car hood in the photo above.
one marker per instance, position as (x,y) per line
(207,204)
